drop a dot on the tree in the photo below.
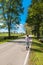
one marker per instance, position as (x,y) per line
(35,17)
(11,10)
(27,28)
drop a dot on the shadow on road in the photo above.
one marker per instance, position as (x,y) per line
(17,41)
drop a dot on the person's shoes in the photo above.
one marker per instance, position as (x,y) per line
(26,48)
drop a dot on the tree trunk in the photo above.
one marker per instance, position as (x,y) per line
(9,27)
(8,30)
(38,31)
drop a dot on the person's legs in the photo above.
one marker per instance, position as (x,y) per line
(27,46)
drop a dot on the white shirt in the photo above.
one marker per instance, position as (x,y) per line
(27,39)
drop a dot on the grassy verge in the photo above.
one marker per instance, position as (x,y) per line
(3,41)
(4,37)
(36,54)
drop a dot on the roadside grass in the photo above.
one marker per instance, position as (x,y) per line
(4,37)
(5,40)
(36,54)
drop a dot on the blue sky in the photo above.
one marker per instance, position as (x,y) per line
(23,16)
(26,4)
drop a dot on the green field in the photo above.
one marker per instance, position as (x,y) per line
(36,54)
(12,34)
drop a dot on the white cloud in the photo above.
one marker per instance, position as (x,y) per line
(1,23)
(21,29)
(3,30)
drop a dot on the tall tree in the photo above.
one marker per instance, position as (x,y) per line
(35,17)
(27,29)
(11,10)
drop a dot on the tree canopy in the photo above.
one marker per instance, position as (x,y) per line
(11,10)
(35,16)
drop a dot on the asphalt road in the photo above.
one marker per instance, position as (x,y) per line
(13,52)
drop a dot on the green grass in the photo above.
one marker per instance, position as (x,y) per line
(36,54)
(12,34)
(7,40)
(2,40)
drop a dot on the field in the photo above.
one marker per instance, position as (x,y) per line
(12,34)
(36,54)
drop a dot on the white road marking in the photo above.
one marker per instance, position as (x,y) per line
(27,56)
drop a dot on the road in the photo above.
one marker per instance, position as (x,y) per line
(13,52)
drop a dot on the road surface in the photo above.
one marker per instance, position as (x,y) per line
(13,52)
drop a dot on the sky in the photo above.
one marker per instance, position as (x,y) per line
(23,16)
(26,4)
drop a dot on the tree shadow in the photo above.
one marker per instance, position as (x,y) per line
(18,41)
(36,50)
(38,44)
(3,38)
